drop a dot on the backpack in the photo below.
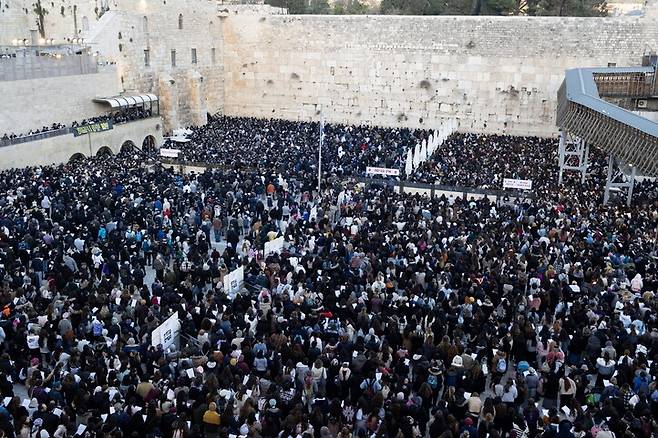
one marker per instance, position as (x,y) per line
(370,389)
(593,398)
(501,366)
(432,381)
(642,387)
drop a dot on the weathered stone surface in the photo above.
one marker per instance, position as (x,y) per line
(495,74)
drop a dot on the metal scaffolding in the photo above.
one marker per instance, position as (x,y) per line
(620,177)
(573,152)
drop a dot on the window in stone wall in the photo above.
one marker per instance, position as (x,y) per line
(147,57)
(145,25)
(213,55)
(180,21)
(173,58)
(193,56)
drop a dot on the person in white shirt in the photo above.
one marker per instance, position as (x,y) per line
(510,392)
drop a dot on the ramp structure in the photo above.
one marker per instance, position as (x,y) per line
(593,109)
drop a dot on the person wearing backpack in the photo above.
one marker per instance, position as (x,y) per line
(434,379)
(370,387)
(641,383)
(500,363)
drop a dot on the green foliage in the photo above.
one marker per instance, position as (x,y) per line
(404,7)
(293,6)
(318,7)
(349,7)
(564,8)
(500,7)
(582,8)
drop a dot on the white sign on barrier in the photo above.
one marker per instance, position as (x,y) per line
(382,171)
(273,246)
(166,332)
(523,184)
(169,153)
(233,281)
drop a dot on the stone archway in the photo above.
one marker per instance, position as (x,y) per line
(148,145)
(128,146)
(104,151)
(76,157)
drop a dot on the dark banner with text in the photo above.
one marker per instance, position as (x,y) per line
(93,127)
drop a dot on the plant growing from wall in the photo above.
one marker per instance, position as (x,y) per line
(41,14)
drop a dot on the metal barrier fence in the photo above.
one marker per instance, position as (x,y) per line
(56,133)
(432,190)
(35,67)
(35,137)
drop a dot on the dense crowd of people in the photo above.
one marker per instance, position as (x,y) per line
(383,315)
(117,117)
(122,116)
(11,136)
(472,160)
(270,145)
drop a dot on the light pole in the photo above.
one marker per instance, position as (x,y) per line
(320,153)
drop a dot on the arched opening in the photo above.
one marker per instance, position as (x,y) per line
(104,151)
(128,146)
(85,24)
(145,24)
(76,157)
(180,21)
(148,145)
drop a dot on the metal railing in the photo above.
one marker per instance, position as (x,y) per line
(36,67)
(35,137)
(56,133)
(402,185)
(630,84)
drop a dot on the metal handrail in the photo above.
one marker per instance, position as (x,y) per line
(35,137)
(55,133)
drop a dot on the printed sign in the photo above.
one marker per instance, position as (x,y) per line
(274,246)
(233,281)
(93,127)
(169,153)
(382,171)
(523,184)
(166,332)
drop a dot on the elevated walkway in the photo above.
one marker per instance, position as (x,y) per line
(586,116)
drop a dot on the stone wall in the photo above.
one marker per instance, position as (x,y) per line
(189,90)
(65,18)
(60,149)
(495,74)
(34,103)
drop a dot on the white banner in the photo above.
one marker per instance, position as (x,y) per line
(523,184)
(409,166)
(170,153)
(166,332)
(274,246)
(233,281)
(382,171)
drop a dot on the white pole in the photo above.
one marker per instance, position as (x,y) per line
(320,154)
